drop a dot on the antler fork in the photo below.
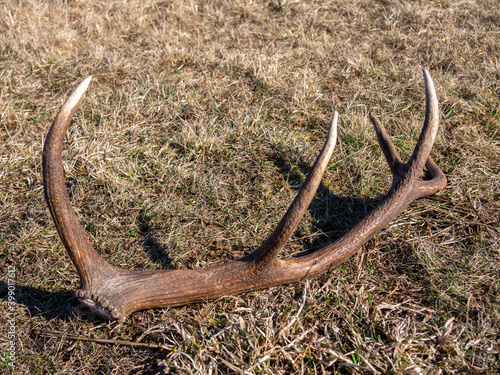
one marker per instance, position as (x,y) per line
(114,293)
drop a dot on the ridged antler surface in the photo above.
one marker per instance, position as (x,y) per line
(114,293)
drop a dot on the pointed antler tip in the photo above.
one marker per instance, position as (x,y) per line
(335,117)
(429,83)
(377,125)
(332,129)
(77,95)
(84,84)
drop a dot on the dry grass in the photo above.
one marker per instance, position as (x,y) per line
(201,121)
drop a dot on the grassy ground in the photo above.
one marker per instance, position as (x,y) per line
(201,121)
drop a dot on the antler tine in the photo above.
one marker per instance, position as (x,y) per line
(114,293)
(430,128)
(270,248)
(83,255)
(390,152)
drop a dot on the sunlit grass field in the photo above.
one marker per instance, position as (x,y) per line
(200,124)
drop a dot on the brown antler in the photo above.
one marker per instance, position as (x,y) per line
(114,293)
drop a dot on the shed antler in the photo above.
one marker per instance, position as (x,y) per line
(114,293)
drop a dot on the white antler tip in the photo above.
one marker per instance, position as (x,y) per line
(76,95)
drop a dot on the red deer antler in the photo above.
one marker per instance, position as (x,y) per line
(114,293)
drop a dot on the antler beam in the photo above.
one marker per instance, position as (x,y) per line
(115,293)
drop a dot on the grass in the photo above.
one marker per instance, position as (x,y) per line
(202,120)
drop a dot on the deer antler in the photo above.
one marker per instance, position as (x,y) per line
(114,293)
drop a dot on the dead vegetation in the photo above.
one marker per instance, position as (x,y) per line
(201,122)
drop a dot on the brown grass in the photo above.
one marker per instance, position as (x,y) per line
(200,123)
